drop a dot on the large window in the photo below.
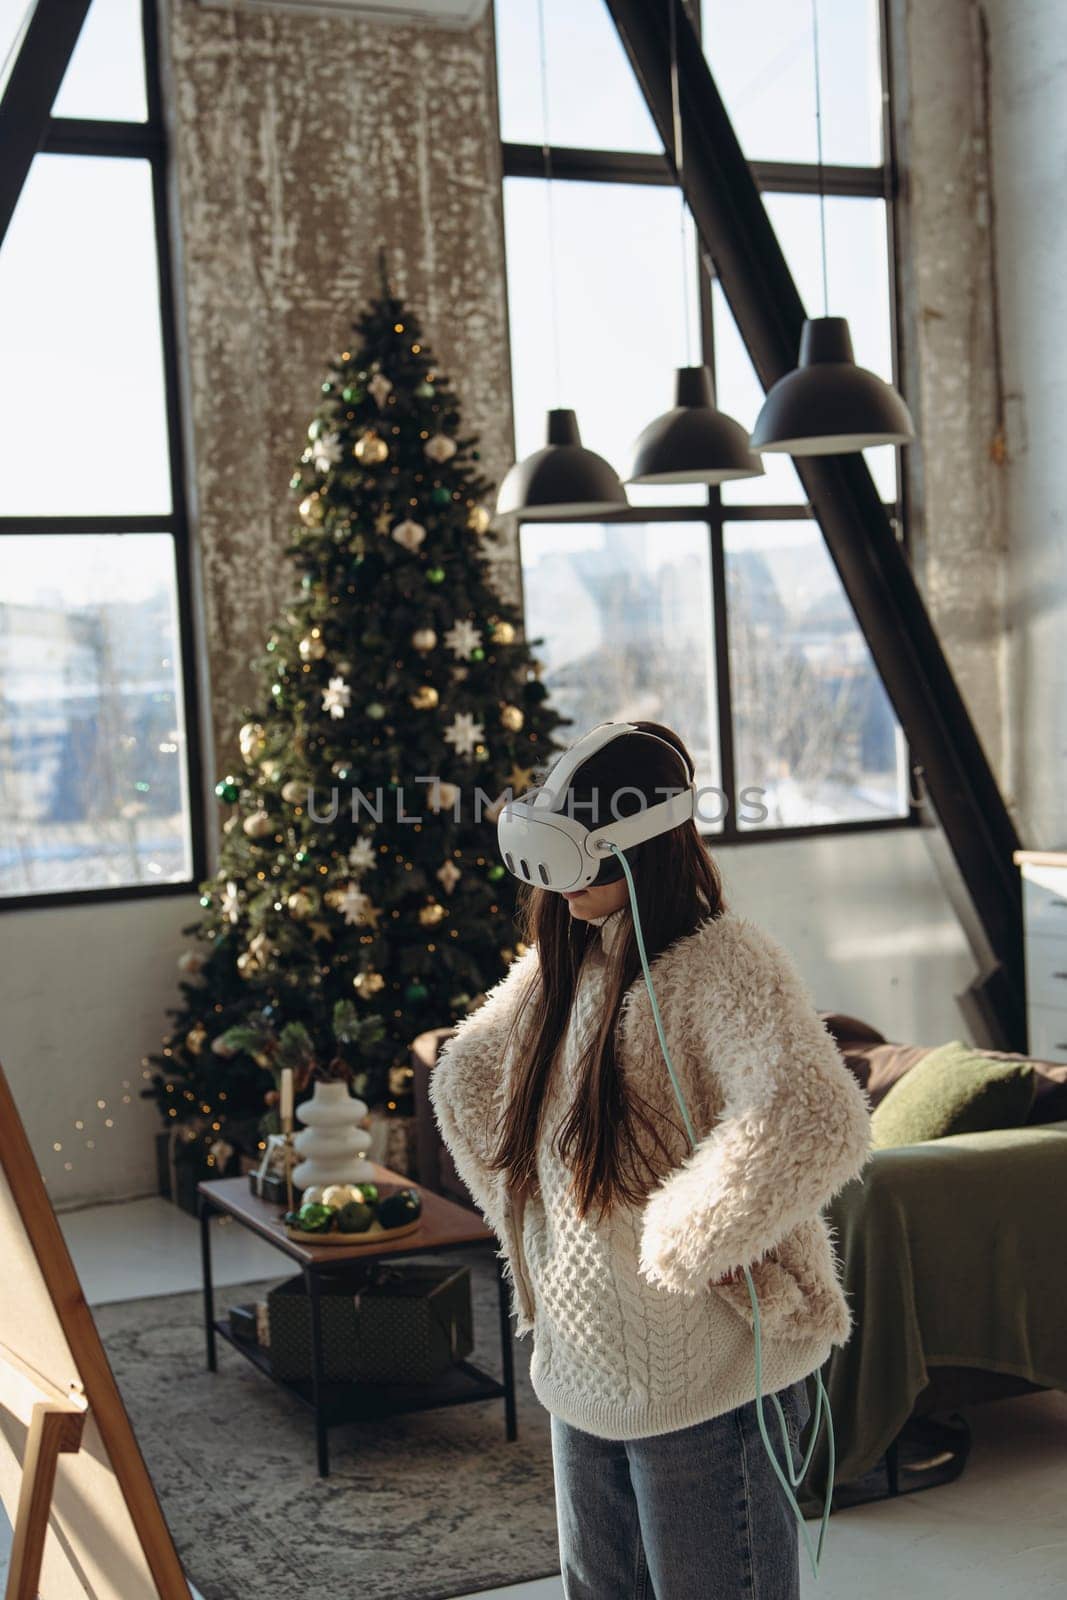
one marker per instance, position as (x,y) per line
(719,612)
(96,700)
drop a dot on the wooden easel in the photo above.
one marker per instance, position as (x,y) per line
(85,1514)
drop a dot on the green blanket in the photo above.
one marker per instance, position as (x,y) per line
(954,1252)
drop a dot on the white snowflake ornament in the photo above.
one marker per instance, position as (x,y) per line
(409,534)
(379,388)
(361,857)
(463,638)
(464,733)
(353,905)
(440,448)
(326,452)
(230,903)
(336,697)
(448,876)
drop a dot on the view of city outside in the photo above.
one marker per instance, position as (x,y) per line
(624,615)
(625,609)
(92,748)
(93,771)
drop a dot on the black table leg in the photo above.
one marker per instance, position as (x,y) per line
(209,1287)
(507,1355)
(311,1284)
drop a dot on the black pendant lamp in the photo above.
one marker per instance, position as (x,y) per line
(693,442)
(563,479)
(828,405)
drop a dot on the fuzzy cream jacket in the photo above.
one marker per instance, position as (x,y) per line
(633,1334)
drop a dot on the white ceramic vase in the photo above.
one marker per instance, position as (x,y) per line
(332,1144)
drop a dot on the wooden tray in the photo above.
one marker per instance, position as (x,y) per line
(372,1235)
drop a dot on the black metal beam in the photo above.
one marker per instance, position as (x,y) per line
(736,232)
(31,88)
(572,164)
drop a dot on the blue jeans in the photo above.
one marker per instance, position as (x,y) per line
(697,1514)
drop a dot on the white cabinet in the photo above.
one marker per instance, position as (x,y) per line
(1045,931)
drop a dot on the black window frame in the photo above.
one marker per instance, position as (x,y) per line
(571,164)
(145,141)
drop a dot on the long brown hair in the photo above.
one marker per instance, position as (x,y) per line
(678,886)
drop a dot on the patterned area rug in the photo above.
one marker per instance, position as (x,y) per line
(416,1507)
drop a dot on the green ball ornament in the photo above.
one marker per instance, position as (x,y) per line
(376,711)
(425,391)
(441,496)
(435,575)
(205,901)
(416,993)
(327,388)
(496,872)
(352,395)
(478,654)
(228,789)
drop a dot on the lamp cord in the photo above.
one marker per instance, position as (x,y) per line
(546,152)
(821,1397)
(676,123)
(818,140)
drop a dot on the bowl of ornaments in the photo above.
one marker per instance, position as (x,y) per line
(354,1214)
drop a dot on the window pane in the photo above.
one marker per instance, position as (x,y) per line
(859,289)
(624,616)
(105,79)
(92,727)
(594,102)
(80,341)
(762,56)
(620,275)
(813,725)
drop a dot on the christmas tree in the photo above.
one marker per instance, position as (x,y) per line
(359,898)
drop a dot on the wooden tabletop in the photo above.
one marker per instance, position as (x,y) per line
(442,1223)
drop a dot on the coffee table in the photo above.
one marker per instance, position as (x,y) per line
(443,1225)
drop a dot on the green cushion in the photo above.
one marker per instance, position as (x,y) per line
(954,1089)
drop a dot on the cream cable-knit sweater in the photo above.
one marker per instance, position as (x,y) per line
(631,1335)
(614,1354)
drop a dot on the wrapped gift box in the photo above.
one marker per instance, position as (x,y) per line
(403,1323)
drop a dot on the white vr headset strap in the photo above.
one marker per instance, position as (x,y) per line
(643,825)
(548,797)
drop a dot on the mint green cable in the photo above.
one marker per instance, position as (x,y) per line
(814,1556)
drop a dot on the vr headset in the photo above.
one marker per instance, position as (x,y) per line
(542,845)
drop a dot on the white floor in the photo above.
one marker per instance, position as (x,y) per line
(998,1533)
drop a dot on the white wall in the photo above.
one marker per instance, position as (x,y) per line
(86,988)
(1028,62)
(85,991)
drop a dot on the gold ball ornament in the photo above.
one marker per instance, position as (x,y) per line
(196,1039)
(302,904)
(432,914)
(312,511)
(502,633)
(252,741)
(259,824)
(425,697)
(313,646)
(367,984)
(423,640)
(247,965)
(478,519)
(295,792)
(270,769)
(512,719)
(370,449)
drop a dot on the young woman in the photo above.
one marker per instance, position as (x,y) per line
(624,1247)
